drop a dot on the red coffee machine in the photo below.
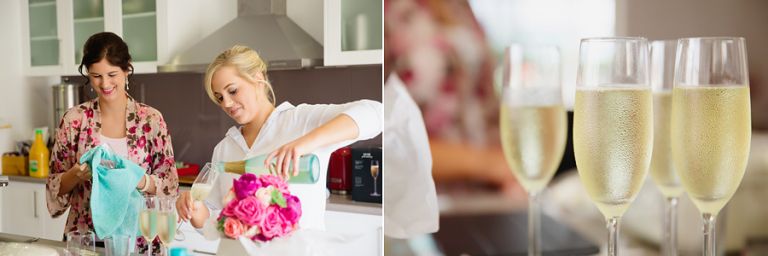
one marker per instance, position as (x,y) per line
(340,171)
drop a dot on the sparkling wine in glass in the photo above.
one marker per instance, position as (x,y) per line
(533,124)
(166,222)
(204,182)
(148,220)
(711,123)
(201,187)
(613,124)
(375,175)
(662,170)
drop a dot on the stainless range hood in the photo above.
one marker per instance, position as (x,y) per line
(261,25)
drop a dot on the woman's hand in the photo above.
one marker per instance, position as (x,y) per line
(81,171)
(286,155)
(185,206)
(189,210)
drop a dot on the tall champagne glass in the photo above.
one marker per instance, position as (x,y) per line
(166,222)
(613,124)
(711,123)
(533,124)
(148,220)
(662,171)
(201,187)
(375,174)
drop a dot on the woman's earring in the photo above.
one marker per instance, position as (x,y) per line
(126,85)
(91,89)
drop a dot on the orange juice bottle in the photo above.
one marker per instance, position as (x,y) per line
(38,157)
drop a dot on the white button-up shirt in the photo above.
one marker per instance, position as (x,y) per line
(285,124)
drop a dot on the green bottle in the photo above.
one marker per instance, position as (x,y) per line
(309,168)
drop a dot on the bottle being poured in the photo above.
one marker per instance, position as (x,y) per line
(309,168)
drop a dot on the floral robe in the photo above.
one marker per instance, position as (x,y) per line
(149,145)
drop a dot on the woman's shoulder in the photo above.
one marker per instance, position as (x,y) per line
(77,112)
(145,111)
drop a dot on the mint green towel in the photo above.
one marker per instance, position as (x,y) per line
(115,201)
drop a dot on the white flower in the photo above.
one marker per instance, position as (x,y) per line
(228,198)
(254,230)
(265,195)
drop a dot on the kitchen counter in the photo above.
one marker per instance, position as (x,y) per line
(13,178)
(59,246)
(339,203)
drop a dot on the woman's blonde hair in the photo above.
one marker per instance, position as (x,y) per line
(247,63)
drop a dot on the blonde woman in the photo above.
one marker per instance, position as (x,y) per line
(237,82)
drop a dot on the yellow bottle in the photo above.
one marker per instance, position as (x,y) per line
(38,157)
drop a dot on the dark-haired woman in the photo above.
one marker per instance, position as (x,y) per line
(133,130)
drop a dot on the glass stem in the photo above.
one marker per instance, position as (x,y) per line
(534,224)
(669,245)
(149,247)
(613,235)
(709,233)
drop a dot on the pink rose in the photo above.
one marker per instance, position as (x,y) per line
(246,185)
(76,124)
(233,228)
(292,211)
(146,128)
(275,181)
(273,224)
(132,130)
(250,211)
(229,210)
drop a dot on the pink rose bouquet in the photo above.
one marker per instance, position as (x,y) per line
(259,208)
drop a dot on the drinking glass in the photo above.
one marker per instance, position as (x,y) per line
(81,243)
(166,222)
(201,187)
(613,124)
(711,123)
(148,220)
(662,171)
(533,124)
(375,175)
(117,245)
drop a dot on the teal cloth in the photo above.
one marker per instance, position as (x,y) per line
(115,201)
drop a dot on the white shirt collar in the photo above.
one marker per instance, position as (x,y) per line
(235,134)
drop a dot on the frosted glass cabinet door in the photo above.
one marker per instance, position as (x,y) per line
(140,29)
(43,35)
(89,20)
(361,25)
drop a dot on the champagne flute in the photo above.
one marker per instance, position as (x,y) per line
(711,123)
(662,171)
(201,187)
(166,222)
(533,124)
(613,124)
(375,175)
(148,220)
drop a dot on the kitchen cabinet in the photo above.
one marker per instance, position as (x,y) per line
(368,229)
(54,31)
(24,212)
(352,32)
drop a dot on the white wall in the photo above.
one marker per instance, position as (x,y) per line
(25,102)
(184,21)
(663,19)
(308,14)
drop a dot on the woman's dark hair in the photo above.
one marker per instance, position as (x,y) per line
(106,45)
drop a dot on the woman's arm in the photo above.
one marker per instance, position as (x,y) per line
(457,161)
(328,125)
(163,178)
(65,172)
